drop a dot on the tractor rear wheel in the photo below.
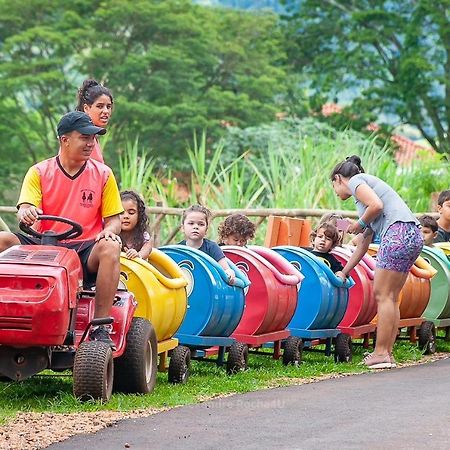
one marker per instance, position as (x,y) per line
(135,371)
(93,371)
(180,364)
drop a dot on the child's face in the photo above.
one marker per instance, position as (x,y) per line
(444,210)
(195,226)
(130,216)
(235,239)
(322,243)
(428,235)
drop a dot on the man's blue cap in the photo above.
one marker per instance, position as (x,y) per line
(78,121)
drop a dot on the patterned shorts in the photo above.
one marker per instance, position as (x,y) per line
(400,247)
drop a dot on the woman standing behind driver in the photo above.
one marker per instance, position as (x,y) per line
(382,211)
(97,102)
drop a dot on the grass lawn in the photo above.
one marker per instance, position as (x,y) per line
(53,392)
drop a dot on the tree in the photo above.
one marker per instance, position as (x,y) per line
(176,67)
(393,55)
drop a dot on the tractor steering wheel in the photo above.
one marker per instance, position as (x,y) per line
(73,232)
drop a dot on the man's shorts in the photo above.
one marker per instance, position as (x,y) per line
(83,249)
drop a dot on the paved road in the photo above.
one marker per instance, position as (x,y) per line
(396,409)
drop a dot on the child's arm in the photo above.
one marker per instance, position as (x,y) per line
(228,270)
(143,253)
(146,249)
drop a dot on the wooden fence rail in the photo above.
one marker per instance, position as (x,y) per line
(158,213)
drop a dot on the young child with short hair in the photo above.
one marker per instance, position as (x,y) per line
(333,218)
(429,229)
(443,233)
(195,223)
(236,229)
(324,238)
(136,241)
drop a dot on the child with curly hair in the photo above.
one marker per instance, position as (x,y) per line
(333,218)
(195,222)
(236,229)
(324,238)
(136,241)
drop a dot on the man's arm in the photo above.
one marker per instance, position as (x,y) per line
(28,214)
(111,229)
(30,198)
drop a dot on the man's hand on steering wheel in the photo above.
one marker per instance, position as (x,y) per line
(28,214)
(108,235)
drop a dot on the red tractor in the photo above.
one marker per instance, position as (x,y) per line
(46,314)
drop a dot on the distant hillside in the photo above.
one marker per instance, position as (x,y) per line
(245,4)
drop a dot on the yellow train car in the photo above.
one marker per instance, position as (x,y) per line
(160,290)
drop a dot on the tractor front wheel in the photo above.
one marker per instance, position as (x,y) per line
(93,371)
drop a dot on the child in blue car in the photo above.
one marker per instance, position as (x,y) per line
(195,223)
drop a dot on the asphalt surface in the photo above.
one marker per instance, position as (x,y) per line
(406,408)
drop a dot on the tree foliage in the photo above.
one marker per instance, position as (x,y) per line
(172,66)
(393,55)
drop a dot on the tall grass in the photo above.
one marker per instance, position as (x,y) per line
(291,173)
(136,169)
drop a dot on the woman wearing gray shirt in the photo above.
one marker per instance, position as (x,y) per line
(382,211)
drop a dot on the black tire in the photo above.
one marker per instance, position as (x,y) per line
(427,337)
(237,358)
(343,351)
(135,371)
(180,365)
(93,371)
(293,349)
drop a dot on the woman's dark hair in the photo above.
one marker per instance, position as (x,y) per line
(348,168)
(137,239)
(89,92)
(236,224)
(197,208)
(330,231)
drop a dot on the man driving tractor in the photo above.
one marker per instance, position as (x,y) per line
(74,186)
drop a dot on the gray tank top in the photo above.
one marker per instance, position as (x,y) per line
(394,208)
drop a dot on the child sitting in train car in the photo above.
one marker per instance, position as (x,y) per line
(236,229)
(195,223)
(429,229)
(324,238)
(334,219)
(342,224)
(443,207)
(136,241)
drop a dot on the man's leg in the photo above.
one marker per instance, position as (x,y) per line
(7,240)
(104,260)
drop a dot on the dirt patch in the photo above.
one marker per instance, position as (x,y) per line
(32,431)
